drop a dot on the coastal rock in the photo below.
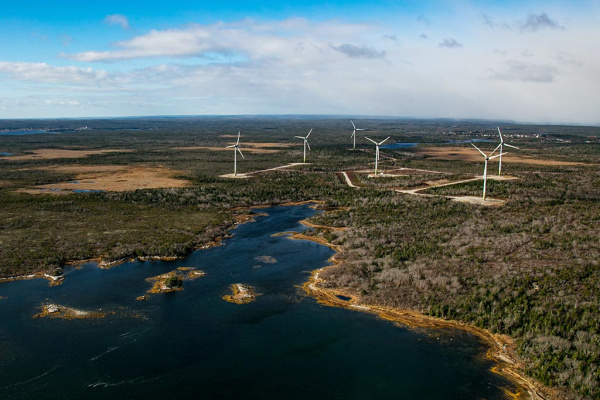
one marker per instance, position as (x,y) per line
(266,259)
(241,294)
(62,312)
(172,281)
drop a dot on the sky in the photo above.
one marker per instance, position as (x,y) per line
(525,61)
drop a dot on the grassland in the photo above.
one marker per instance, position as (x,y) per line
(529,269)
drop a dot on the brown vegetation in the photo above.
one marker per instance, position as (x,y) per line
(172,281)
(471,154)
(110,178)
(257,148)
(240,294)
(48,154)
(61,312)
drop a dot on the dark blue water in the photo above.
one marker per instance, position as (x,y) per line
(24,132)
(399,145)
(194,345)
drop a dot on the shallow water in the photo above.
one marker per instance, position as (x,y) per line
(194,345)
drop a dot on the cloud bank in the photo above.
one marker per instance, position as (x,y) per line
(527,68)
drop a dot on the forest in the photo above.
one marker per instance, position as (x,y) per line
(529,269)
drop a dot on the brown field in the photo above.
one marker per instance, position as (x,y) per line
(111,178)
(471,154)
(263,148)
(48,154)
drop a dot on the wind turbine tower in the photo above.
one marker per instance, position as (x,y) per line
(354,134)
(377,150)
(485,167)
(305,138)
(236,149)
(501,147)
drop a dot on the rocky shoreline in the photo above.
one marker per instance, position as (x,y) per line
(501,347)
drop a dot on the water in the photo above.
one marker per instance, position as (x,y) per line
(399,145)
(194,345)
(24,132)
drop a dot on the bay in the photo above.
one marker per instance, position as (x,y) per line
(194,345)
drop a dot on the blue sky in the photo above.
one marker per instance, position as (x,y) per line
(529,61)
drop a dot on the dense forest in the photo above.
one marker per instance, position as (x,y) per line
(529,269)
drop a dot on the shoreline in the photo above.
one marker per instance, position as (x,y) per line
(501,348)
(102,263)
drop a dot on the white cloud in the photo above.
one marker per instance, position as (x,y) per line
(253,39)
(117,19)
(62,102)
(299,66)
(44,73)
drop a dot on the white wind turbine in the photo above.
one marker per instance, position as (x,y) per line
(501,147)
(305,143)
(377,150)
(354,134)
(485,167)
(236,149)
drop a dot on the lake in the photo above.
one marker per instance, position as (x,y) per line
(194,345)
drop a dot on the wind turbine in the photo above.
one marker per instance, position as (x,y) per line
(377,150)
(501,147)
(485,167)
(236,149)
(354,134)
(305,143)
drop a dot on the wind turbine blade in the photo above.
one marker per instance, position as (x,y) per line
(300,137)
(371,140)
(353,124)
(497,147)
(482,153)
(497,155)
(353,134)
(380,143)
(361,129)
(510,145)
(238,141)
(500,133)
(233,145)
(238,149)
(309,133)
(308,145)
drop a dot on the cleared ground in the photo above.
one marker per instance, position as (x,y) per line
(48,154)
(111,178)
(264,148)
(471,154)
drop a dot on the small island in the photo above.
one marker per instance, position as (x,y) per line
(241,294)
(266,259)
(171,281)
(61,312)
